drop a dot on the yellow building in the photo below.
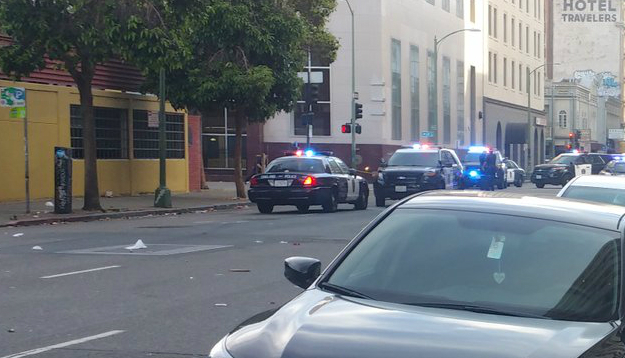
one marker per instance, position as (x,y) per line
(127,145)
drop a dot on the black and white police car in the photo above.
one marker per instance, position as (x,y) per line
(515,175)
(305,179)
(473,175)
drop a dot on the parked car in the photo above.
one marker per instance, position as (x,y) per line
(561,169)
(456,274)
(598,188)
(515,174)
(614,168)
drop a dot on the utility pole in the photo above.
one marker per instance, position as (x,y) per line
(162,197)
(354,164)
(309,106)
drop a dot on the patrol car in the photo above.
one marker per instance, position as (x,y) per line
(306,179)
(473,173)
(561,169)
(515,174)
(614,168)
(417,168)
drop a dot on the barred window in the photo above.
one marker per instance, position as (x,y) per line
(145,139)
(111,126)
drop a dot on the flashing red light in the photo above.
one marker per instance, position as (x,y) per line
(254,181)
(571,135)
(346,128)
(310,181)
(299,153)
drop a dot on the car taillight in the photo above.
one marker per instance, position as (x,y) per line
(254,181)
(430,174)
(310,181)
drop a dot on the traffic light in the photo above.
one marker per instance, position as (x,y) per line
(571,141)
(358,110)
(346,128)
(314,93)
(578,137)
(358,129)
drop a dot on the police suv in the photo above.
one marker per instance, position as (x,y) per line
(306,179)
(473,175)
(561,169)
(417,168)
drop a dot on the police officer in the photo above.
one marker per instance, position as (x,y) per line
(488,164)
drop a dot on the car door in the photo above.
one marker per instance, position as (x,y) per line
(341,179)
(511,170)
(353,187)
(458,169)
(582,166)
(448,162)
(597,163)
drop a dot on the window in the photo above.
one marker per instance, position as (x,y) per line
(145,138)
(513,32)
(432,123)
(520,36)
(334,166)
(218,139)
(396,88)
(433,2)
(562,119)
(528,78)
(505,28)
(520,77)
(521,4)
(535,83)
(527,6)
(414,93)
(495,68)
(111,132)
(490,20)
(495,22)
(540,48)
(505,72)
(446,100)
(321,123)
(538,84)
(490,67)
(527,39)
(460,8)
(539,7)
(472,9)
(535,45)
(446,5)
(535,8)
(512,77)
(460,101)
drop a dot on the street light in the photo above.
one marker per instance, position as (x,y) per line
(353,121)
(437,42)
(530,125)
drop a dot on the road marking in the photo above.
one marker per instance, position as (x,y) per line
(62,345)
(79,272)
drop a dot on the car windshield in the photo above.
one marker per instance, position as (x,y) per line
(563,159)
(296,165)
(416,159)
(601,195)
(472,158)
(514,264)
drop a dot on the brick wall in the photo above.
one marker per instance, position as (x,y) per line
(195,153)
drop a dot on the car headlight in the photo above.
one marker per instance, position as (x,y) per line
(219,350)
(380,177)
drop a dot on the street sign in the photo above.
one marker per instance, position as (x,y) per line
(427,134)
(12,97)
(153,119)
(542,122)
(18,112)
(616,134)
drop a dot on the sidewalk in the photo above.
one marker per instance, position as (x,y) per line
(220,196)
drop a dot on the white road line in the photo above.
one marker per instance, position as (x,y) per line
(62,345)
(79,272)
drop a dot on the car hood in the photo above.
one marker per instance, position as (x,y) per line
(550,166)
(407,169)
(321,325)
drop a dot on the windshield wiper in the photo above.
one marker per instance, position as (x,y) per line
(342,290)
(476,309)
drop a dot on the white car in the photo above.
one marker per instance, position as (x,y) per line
(597,188)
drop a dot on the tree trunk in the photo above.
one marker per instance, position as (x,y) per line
(238,153)
(92,192)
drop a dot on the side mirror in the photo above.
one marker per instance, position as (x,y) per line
(383,164)
(353,172)
(302,271)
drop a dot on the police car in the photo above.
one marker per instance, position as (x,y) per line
(515,174)
(614,168)
(417,168)
(561,169)
(306,179)
(473,175)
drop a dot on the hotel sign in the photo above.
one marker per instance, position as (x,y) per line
(590,11)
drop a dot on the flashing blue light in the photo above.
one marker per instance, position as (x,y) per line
(310,153)
(474,174)
(478,149)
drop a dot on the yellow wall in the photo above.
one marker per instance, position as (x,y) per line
(48,110)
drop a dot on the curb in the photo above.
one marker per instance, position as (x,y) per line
(120,215)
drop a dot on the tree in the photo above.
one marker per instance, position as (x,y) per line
(245,55)
(79,34)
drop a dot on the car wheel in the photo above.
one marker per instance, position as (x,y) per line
(363,200)
(331,204)
(502,183)
(265,208)
(380,202)
(566,179)
(303,209)
(519,183)
(540,185)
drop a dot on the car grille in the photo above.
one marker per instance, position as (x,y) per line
(409,180)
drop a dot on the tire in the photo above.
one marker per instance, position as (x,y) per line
(363,200)
(303,208)
(502,184)
(540,185)
(265,208)
(380,202)
(518,183)
(331,204)
(567,178)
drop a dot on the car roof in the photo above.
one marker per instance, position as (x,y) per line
(600,181)
(554,209)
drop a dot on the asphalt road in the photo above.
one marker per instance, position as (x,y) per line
(84,295)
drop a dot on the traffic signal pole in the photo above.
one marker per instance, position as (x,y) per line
(309,101)
(354,164)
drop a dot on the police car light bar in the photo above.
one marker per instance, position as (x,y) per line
(417,146)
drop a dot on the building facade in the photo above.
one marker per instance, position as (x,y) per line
(586,47)
(513,94)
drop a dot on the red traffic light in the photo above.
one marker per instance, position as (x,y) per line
(571,135)
(346,128)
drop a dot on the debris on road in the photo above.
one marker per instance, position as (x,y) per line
(37,248)
(221,305)
(18,234)
(240,270)
(139,245)
(258,242)
(11,330)
(283,242)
